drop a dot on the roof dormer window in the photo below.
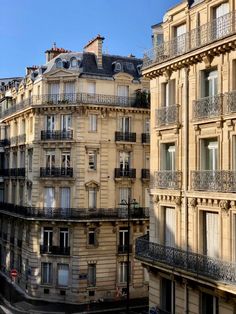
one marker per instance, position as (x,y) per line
(58,63)
(73,62)
(118,67)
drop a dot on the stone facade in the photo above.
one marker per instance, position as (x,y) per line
(74,144)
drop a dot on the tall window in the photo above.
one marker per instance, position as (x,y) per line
(180,32)
(63,274)
(93,122)
(21,194)
(50,123)
(222,21)
(92,159)
(69,89)
(123,90)
(123,240)
(91,88)
(125,161)
(47,235)
(123,272)
(54,88)
(65,122)
(125,124)
(65,160)
(92,198)
(125,194)
(147,126)
(64,238)
(92,275)
(168,157)
(65,199)
(50,159)
(210,83)
(170,226)
(167,295)
(92,236)
(14,160)
(211,234)
(49,197)
(46,276)
(209,304)
(209,154)
(30,159)
(168,93)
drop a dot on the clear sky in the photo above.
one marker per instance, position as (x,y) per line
(29,27)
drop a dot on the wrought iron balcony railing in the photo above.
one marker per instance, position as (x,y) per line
(125,173)
(125,136)
(54,250)
(56,172)
(217,180)
(56,135)
(201,265)
(230,102)
(167,115)
(208,107)
(145,174)
(199,37)
(123,249)
(76,99)
(21,139)
(13,172)
(4,142)
(167,179)
(75,213)
(145,138)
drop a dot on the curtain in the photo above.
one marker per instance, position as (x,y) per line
(49,197)
(170,226)
(212,235)
(63,274)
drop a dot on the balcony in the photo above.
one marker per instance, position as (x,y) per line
(123,249)
(208,107)
(13,172)
(215,181)
(56,172)
(5,142)
(216,29)
(54,250)
(74,213)
(168,115)
(56,135)
(125,137)
(125,173)
(197,264)
(167,179)
(230,102)
(77,99)
(145,138)
(145,174)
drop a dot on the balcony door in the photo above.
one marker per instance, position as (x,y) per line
(170,226)
(50,123)
(211,234)
(210,83)
(168,157)
(222,21)
(69,91)
(65,122)
(181,38)
(65,160)
(47,239)
(209,155)
(123,239)
(50,162)
(64,238)
(125,124)
(54,92)
(65,200)
(123,94)
(49,198)
(124,161)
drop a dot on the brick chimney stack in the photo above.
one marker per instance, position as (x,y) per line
(95,46)
(54,52)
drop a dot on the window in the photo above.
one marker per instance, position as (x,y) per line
(118,67)
(125,161)
(14,160)
(64,238)
(222,22)
(47,235)
(58,63)
(93,122)
(123,272)
(123,94)
(168,93)
(92,236)
(170,226)
(92,159)
(31,125)
(69,89)
(73,62)
(30,159)
(209,304)
(147,126)
(92,198)
(167,295)
(210,83)
(147,198)
(210,232)
(21,194)
(50,159)
(209,154)
(92,275)
(91,88)
(180,33)
(29,195)
(13,191)
(63,274)
(22,159)
(49,197)
(50,123)
(65,122)
(125,194)
(54,90)
(125,124)
(65,200)
(123,240)
(65,160)
(46,276)
(168,157)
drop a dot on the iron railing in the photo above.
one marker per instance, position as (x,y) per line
(201,36)
(146,138)
(217,180)
(124,248)
(125,136)
(21,139)
(13,172)
(167,115)
(74,213)
(230,102)
(54,250)
(56,135)
(208,107)
(145,174)
(56,172)
(75,99)
(201,265)
(4,142)
(167,179)
(125,173)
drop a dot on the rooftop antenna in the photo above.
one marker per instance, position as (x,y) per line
(54,45)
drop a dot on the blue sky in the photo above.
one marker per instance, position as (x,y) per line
(29,27)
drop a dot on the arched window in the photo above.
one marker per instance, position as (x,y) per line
(58,63)
(73,62)
(118,67)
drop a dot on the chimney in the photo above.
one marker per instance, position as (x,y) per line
(31,69)
(95,46)
(54,52)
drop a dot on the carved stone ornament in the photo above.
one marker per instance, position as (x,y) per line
(156,199)
(193,202)
(224,206)
(178,200)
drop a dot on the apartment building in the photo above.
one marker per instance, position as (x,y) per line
(74,148)
(191,251)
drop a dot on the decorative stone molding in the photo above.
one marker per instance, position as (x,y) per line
(193,202)
(224,206)
(178,201)
(156,199)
